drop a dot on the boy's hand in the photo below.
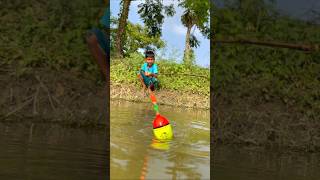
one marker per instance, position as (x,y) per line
(147,73)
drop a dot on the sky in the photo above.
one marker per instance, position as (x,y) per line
(173,33)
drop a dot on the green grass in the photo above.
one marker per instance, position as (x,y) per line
(172,75)
(50,34)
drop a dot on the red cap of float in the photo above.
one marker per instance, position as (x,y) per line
(160,121)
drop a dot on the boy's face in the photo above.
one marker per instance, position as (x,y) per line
(150,61)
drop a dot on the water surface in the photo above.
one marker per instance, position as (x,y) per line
(43,151)
(135,154)
(238,163)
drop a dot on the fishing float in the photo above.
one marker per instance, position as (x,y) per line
(162,128)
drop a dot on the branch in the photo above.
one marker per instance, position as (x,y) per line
(185,74)
(301,47)
(27,102)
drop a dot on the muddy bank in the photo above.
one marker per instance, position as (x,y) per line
(44,95)
(164,97)
(245,122)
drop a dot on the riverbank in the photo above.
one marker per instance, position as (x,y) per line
(266,95)
(180,85)
(45,95)
(252,122)
(164,97)
(71,97)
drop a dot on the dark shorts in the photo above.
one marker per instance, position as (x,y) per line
(151,82)
(102,38)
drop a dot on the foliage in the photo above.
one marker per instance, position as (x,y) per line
(171,74)
(267,74)
(136,37)
(48,33)
(197,13)
(152,13)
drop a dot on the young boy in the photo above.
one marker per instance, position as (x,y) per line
(98,43)
(149,72)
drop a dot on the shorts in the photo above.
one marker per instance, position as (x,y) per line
(151,82)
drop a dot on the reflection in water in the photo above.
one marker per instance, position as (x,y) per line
(156,144)
(135,155)
(161,145)
(231,163)
(43,151)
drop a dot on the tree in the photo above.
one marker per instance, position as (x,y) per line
(152,14)
(136,37)
(121,27)
(196,14)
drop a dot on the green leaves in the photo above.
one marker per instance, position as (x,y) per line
(51,33)
(196,13)
(136,37)
(267,74)
(194,42)
(152,13)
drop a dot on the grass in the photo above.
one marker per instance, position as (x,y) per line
(172,75)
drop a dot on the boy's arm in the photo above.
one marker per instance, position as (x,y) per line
(153,75)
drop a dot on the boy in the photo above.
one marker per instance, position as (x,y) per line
(98,43)
(149,72)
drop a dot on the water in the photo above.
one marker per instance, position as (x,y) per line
(134,154)
(42,151)
(232,163)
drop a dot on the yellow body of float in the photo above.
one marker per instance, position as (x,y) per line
(162,129)
(163,133)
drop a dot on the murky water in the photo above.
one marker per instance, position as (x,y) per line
(42,151)
(232,163)
(134,154)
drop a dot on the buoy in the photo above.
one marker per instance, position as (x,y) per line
(162,129)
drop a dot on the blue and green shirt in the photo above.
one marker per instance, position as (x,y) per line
(105,20)
(153,69)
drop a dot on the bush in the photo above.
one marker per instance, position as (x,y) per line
(172,75)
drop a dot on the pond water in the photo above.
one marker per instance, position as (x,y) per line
(136,155)
(231,163)
(43,151)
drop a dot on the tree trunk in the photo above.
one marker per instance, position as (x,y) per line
(121,27)
(186,56)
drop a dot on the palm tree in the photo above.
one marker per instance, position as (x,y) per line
(188,19)
(196,15)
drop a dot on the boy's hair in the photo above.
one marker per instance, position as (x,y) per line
(149,53)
